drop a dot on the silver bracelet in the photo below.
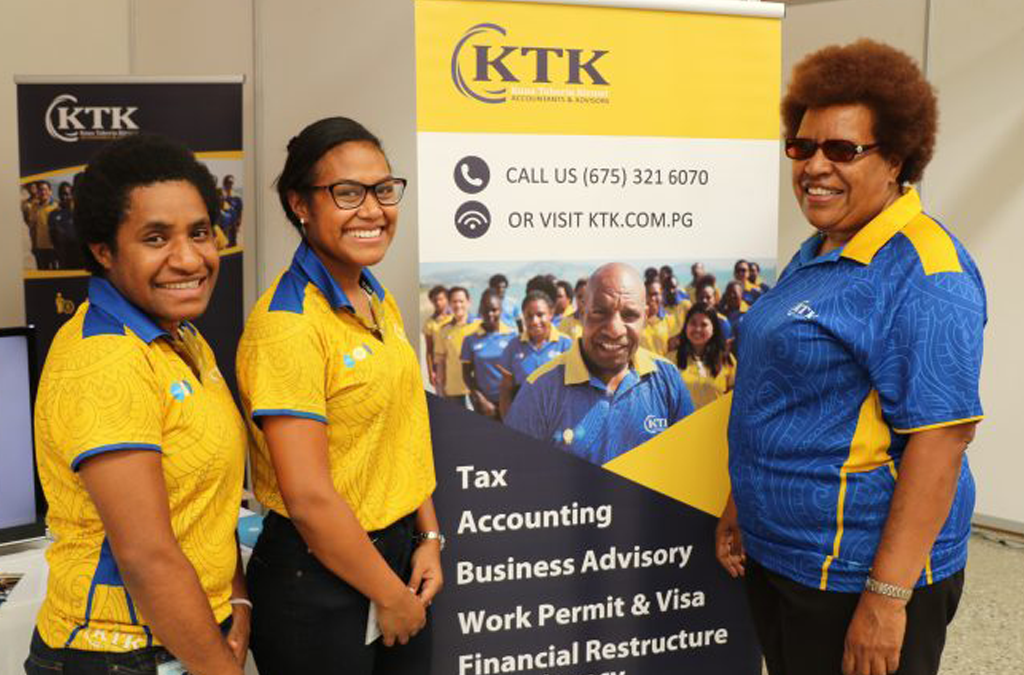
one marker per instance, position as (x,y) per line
(241,601)
(877,587)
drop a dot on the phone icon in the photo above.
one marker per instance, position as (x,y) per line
(472,174)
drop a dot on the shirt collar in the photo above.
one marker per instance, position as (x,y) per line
(553,336)
(883,227)
(104,295)
(576,371)
(502,329)
(307,264)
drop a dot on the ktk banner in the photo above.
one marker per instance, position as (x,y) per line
(553,140)
(62,123)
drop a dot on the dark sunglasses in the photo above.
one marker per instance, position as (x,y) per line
(835,150)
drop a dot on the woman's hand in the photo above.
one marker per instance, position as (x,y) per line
(401,617)
(238,636)
(729,541)
(427,579)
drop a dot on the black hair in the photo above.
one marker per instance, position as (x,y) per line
(580,283)
(458,289)
(533,296)
(737,264)
(565,286)
(716,352)
(102,191)
(542,283)
(650,273)
(726,304)
(305,151)
(497,279)
(436,291)
(486,297)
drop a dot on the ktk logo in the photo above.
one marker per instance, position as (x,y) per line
(492,64)
(69,122)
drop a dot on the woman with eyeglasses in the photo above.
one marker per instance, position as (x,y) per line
(342,459)
(140,448)
(857,390)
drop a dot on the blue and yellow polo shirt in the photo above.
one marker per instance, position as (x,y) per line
(563,403)
(521,358)
(112,381)
(572,326)
(702,385)
(850,353)
(484,351)
(510,311)
(305,353)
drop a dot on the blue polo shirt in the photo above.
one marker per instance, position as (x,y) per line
(484,351)
(510,311)
(521,358)
(563,403)
(850,353)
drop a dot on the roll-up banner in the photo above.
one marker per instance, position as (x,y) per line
(62,122)
(554,138)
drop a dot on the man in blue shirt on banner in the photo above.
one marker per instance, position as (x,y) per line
(606,395)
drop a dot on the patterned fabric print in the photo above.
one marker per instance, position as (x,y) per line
(849,353)
(562,403)
(304,353)
(112,381)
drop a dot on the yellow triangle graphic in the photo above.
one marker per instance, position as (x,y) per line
(688,462)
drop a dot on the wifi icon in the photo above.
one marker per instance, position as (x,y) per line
(472,220)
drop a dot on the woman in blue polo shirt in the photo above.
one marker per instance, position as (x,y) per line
(539,343)
(857,390)
(481,353)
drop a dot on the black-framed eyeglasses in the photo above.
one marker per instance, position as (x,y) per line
(350,194)
(836,150)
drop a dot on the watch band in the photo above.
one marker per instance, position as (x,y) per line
(873,585)
(430,535)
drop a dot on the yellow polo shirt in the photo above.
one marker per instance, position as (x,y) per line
(305,353)
(702,385)
(431,328)
(112,382)
(451,336)
(656,333)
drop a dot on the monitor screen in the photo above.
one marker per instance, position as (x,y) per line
(21,501)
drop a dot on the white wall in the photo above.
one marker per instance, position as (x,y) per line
(975,185)
(317,58)
(58,37)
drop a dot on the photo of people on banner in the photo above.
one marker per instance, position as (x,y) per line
(596,359)
(46,210)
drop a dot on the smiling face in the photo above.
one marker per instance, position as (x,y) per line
(459,303)
(839,198)
(653,299)
(699,330)
(347,240)
(537,319)
(490,312)
(165,262)
(613,320)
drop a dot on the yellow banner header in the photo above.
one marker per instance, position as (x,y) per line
(495,67)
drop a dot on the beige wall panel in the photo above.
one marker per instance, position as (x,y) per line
(59,37)
(809,27)
(198,37)
(975,185)
(317,58)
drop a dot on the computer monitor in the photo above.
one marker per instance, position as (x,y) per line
(22,507)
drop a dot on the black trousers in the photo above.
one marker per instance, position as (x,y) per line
(307,620)
(802,630)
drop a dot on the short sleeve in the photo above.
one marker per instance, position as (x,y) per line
(282,367)
(927,375)
(105,397)
(467,349)
(680,403)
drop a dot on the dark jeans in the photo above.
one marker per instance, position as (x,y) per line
(45,660)
(802,630)
(307,620)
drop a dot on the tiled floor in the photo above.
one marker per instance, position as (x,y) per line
(987,635)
